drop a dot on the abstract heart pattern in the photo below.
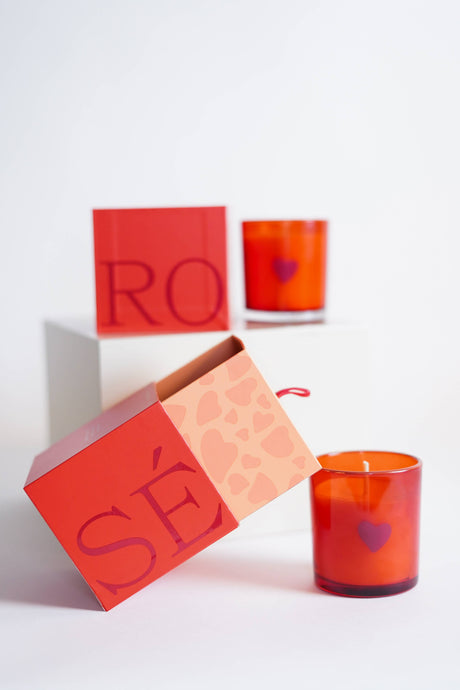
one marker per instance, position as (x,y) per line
(264,401)
(249,461)
(208,408)
(263,490)
(217,454)
(300,462)
(237,483)
(278,443)
(177,414)
(285,269)
(237,429)
(231,417)
(295,479)
(374,536)
(206,380)
(237,366)
(241,394)
(262,421)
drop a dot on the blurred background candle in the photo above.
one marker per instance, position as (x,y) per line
(285,267)
(365,518)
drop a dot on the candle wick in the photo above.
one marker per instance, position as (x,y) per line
(366,465)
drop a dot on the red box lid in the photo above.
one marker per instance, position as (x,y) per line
(160,270)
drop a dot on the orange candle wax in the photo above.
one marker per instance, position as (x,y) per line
(365,517)
(285,265)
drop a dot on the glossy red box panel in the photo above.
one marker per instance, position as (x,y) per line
(127,498)
(160,270)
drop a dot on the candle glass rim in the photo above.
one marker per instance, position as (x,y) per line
(366,473)
(284,225)
(285,220)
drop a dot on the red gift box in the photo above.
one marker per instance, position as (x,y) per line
(168,471)
(160,270)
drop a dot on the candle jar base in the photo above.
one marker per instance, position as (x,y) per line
(307,316)
(364,591)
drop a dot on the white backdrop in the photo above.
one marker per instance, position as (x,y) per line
(344,110)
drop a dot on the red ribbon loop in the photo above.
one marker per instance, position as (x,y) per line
(303,392)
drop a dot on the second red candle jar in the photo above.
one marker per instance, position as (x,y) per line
(285,266)
(365,516)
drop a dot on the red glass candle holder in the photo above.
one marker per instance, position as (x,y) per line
(285,268)
(365,516)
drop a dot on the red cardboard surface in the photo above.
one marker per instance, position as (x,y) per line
(131,505)
(92,431)
(160,270)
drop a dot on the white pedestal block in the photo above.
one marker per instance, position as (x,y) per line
(87,374)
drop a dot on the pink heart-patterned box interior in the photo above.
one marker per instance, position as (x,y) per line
(236,427)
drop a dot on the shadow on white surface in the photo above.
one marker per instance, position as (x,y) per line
(34,569)
(243,568)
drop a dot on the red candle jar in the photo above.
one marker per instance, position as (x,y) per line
(365,516)
(285,267)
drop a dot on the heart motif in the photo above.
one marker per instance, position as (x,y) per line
(237,483)
(264,401)
(206,380)
(263,490)
(300,462)
(218,455)
(278,444)
(295,479)
(237,366)
(176,413)
(208,408)
(285,268)
(231,417)
(374,536)
(241,393)
(262,421)
(249,461)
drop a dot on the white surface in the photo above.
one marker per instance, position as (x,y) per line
(242,614)
(344,110)
(87,374)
